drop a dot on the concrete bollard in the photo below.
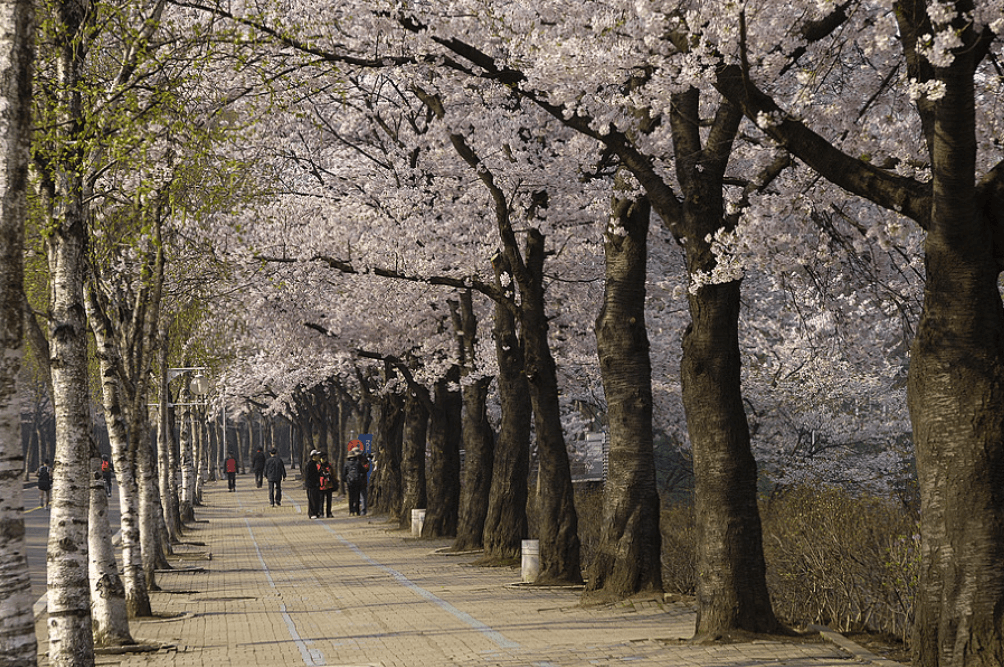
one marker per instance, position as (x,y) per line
(417,521)
(530,569)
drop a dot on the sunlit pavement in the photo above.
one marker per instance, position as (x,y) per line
(257,585)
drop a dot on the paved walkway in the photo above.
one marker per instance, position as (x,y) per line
(272,587)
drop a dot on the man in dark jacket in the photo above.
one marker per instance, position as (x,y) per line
(312,480)
(354,477)
(275,473)
(258,466)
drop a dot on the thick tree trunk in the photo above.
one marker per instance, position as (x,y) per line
(505,521)
(109,614)
(956,400)
(628,561)
(385,486)
(70,638)
(479,440)
(558,531)
(444,459)
(416,428)
(18,645)
(479,459)
(732,591)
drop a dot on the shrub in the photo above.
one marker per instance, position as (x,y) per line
(847,562)
(679,553)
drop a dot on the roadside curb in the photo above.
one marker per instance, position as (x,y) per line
(846,644)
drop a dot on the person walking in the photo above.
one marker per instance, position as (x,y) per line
(275,473)
(328,485)
(354,476)
(230,467)
(107,471)
(312,481)
(258,466)
(44,475)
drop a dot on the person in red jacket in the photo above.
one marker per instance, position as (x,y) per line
(230,466)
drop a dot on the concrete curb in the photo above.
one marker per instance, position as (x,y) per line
(846,644)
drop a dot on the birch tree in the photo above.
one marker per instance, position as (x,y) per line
(17,34)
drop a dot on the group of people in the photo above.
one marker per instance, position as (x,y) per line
(321,483)
(318,476)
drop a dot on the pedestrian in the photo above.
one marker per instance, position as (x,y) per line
(258,466)
(230,466)
(312,480)
(275,473)
(354,477)
(107,471)
(44,475)
(328,485)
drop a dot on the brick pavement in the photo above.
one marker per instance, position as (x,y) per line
(255,585)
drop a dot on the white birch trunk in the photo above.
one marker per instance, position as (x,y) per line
(137,595)
(110,620)
(70,639)
(150,515)
(186,455)
(17,624)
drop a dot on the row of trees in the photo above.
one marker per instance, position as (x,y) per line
(365,187)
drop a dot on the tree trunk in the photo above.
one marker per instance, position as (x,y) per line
(416,427)
(956,400)
(387,458)
(479,440)
(558,531)
(505,521)
(732,587)
(479,459)
(17,625)
(167,461)
(137,596)
(444,459)
(109,614)
(186,460)
(628,561)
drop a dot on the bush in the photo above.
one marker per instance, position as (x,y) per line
(679,553)
(847,562)
(851,563)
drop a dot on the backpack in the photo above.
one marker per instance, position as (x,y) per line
(105,466)
(354,471)
(326,480)
(43,475)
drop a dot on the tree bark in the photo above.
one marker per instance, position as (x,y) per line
(17,625)
(505,521)
(444,459)
(956,399)
(732,586)
(386,481)
(559,527)
(416,428)
(109,612)
(479,440)
(628,561)
(70,638)
(137,596)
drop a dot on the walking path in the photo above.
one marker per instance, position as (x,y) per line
(257,585)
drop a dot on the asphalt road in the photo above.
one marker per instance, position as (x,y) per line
(36,533)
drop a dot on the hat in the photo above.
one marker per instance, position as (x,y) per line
(314,453)
(273,451)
